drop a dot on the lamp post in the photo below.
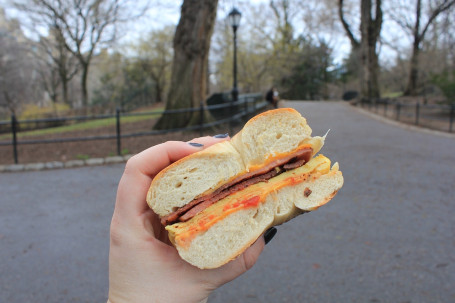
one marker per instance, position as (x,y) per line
(234,19)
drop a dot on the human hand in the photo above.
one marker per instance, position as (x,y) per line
(143,265)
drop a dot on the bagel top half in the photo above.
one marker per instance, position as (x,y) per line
(268,137)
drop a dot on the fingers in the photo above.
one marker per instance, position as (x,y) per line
(244,262)
(251,255)
(140,170)
(240,265)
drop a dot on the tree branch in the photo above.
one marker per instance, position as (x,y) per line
(378,19)
(441,8)
(354,42)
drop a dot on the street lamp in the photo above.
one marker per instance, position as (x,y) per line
(234,19)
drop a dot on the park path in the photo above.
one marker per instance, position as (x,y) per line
(388,236)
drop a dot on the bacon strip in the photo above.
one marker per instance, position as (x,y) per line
(242,185)
(189,210)
(292,165)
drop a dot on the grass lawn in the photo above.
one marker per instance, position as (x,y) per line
(392,94)
(86,125)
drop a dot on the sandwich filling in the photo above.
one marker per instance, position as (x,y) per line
(271,169)
(182,233)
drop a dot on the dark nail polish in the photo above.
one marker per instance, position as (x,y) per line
(220,136)
(195,144)
(269,234)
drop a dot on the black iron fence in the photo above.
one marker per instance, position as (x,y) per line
(226,113)
(433,116)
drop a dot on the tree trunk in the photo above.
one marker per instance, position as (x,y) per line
(411,88)
(84,89)
(369,70)
(65,92)
(365,48)
(158,92)
(64,79)
(191,50)
(370,28)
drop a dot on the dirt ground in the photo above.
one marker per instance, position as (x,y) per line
(48,152)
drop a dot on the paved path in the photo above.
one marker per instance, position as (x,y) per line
(388,236)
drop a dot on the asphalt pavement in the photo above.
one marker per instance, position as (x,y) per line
(388,236)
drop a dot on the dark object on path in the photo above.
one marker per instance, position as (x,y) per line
(220,99)
(349,95)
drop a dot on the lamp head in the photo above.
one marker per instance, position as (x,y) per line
(234,18)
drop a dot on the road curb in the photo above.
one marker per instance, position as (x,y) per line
(12,168)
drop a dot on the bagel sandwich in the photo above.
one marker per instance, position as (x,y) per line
(215,203)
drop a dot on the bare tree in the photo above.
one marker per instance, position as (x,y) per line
(83,25)
(365,48)
(418,28)
(191,51)
(58,65)
(270,43)
(283,12)
(16,71)
(50,80)
(155,53)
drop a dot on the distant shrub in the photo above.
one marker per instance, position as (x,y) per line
(446,82)
(33,112)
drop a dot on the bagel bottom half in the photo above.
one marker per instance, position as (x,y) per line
(227,228)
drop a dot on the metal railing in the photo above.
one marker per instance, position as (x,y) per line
(433,116)
(247,105)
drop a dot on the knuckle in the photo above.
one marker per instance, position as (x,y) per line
(131,164)
(116,235)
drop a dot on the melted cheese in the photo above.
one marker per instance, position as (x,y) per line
(183,233)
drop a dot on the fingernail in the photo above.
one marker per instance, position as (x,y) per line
(269,234)
(195,144)
(220,136)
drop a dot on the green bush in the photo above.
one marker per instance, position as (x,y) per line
(446,82)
